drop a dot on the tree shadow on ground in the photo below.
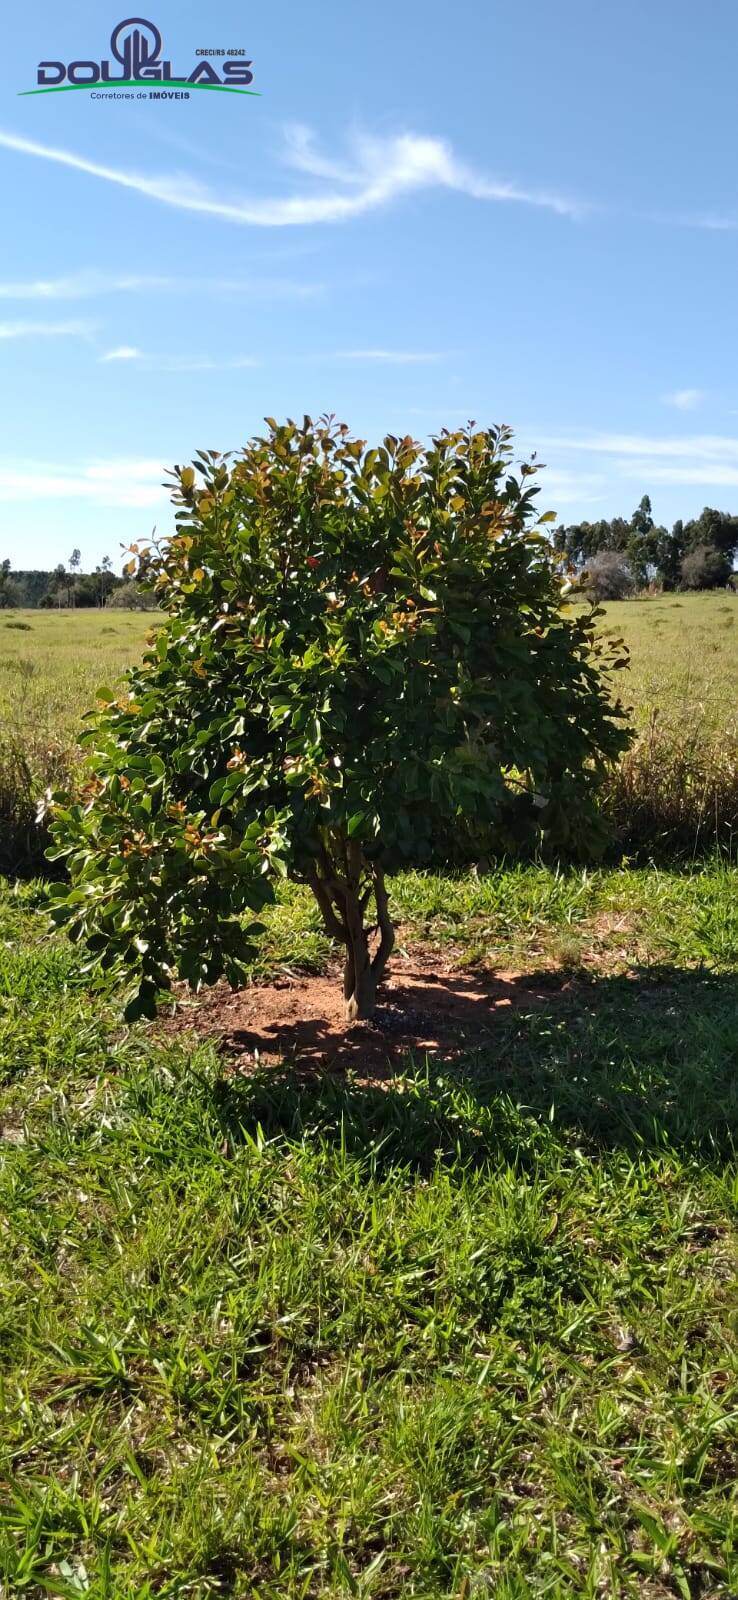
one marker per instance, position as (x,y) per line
(647,1059)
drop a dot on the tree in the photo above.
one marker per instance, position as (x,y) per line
(704,567)
(641,521)
(364,649)
(670,554)
(608,576)
(582,540)
(716,528)
(130,596)
(75,561)
(105,580)
(7,596)
(643,542)
(58,583)
(649,549)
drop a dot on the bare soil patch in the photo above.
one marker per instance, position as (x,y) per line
(426,1005)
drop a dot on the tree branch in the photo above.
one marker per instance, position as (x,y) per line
(333,924)
(387,932)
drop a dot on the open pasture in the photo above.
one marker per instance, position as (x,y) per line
(684,660)
(301,1329)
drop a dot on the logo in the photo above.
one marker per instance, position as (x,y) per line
(136,62)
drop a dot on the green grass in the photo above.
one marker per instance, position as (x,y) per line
(676,791)
(469,1333)
(51,663)
(50,668)
(684,658)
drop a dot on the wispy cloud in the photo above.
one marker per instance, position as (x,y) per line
(111,484)
(710,222)
(124,352)
(81,285)
(685,399)
(155,363)
(44,330)
(184,364)
(378,171)
(709,459)
(88,284)
(561,487)
(708,446)
(397,358)
(717,473)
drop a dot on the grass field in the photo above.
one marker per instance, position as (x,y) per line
(677,791)
(684,658)
(51,663)
(469,1331)
(684,661)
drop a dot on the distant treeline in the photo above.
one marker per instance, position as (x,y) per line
(68,586)
(698,554)
(620,555)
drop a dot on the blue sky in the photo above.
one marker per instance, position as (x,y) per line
(523,213)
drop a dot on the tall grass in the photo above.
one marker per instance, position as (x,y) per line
(675,792)
(27,771)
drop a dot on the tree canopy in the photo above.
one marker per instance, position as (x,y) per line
(364,653)
(652,551)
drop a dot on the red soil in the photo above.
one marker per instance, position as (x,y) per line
(424,1005)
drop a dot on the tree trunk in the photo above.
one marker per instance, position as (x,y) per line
(343,900)
(359,978)
(360,993)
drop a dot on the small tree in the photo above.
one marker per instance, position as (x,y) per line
(105,579)
(705,568)
(670,554)
(130,596)
(75,562)
(364,649)
(7,594)
(59,583)
(608,576)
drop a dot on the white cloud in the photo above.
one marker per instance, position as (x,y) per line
(706,472)
(110,471)
(380,171)
(184,364)
(562,487)
(710,222)
(44,330)
(76,286)
(708,459)
(685,399)
(300,152)
(124,352)
(88,284)
(154,363)
(399,358)
(109,484)
(708,446)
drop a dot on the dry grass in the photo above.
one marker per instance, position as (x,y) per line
(676,792)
